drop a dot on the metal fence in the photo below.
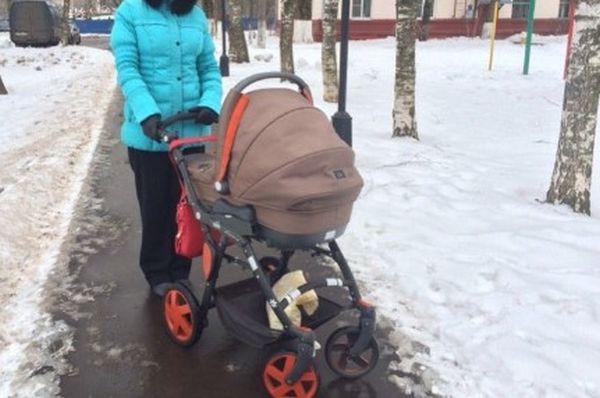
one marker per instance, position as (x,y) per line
(103,26)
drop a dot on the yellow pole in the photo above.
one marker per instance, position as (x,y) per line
(493,34)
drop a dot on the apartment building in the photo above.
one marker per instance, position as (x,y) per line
(376,18)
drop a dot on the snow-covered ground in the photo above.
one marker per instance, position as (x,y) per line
(449,235)
(49,126)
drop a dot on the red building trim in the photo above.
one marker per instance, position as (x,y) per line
(443,28)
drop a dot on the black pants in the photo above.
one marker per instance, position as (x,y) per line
(158,192)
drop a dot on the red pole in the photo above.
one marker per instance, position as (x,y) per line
(569,36)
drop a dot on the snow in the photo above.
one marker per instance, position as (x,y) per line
(5,40)
(50,125)
(450,236)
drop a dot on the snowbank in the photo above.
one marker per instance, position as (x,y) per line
(449,235)
(51,122)
(5,40)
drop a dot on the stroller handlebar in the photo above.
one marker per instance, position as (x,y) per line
(168,136)
(187,115)
(178,117)
(271,75)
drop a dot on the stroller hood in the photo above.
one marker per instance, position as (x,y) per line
(286,160)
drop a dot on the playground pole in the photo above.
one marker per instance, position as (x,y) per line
(569,37)
(530,19)
(493,34)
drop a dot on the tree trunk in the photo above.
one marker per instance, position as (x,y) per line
(303,22)
(216,6)
(208,7)
(286,38)
(4,7)
(238,49)
(262,24)
(303,10)
(405,124)
(572,176)
(328,55)
(3,90)
(66,29)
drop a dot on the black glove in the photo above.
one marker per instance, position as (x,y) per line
(205,115)
(151,126)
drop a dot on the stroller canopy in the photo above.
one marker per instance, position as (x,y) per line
(280,154)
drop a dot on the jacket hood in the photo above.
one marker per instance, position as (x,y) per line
(177,7)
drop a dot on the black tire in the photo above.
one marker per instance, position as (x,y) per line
(181,315)
(339,360)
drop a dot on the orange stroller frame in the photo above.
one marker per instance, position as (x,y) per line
(350,351)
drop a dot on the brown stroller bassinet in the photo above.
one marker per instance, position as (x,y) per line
(279,154)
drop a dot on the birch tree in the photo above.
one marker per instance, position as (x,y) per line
(328,55)
(66,29)
(4,7)
(572,176)
(238,49)
(209,8)
(286,36)
(3,90)
(404,115)
(261,40)
(216,17)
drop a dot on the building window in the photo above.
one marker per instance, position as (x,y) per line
(520,9)
(563,10)
(361,8)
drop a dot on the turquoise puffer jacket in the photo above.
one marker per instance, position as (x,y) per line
(165,64)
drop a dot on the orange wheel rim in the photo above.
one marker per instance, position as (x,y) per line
(275,373)
(178,315)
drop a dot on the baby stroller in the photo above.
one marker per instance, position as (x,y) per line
(276,174)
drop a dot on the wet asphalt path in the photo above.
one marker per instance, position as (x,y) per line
(121,348)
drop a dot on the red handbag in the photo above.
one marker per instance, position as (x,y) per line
(189,240)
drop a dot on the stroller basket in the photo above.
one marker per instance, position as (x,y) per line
(242,310)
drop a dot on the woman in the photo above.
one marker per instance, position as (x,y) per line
(165,63)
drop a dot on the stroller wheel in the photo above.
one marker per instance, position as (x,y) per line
(181,313)
(278,367)
(338,356)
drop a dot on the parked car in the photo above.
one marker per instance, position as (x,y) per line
(34,23)
(4,25)
(74,33)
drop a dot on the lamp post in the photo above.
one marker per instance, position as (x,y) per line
(224,61)
(342,121)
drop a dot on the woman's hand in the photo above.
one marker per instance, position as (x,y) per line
(205,115)
(150,126)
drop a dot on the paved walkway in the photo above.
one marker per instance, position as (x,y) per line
(121,349)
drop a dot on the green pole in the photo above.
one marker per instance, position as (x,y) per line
(529,34)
